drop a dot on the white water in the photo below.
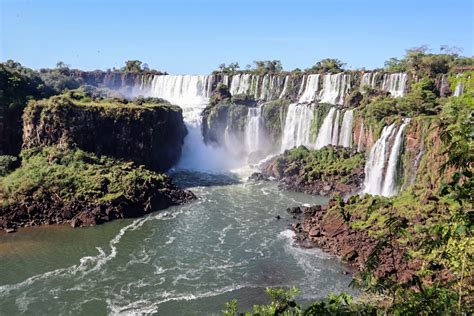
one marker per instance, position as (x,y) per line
(285,87)
(368,79)
(254,131)
(192,93)
(459,89)
(390,184)
(325,132)
(361,136)
(395,84)
(335,129)
(345,137)
(381,165)
(335,87)
(266,88)
(297,130)
(309,88)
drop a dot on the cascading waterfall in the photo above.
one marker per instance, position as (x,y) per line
(254,132)
(368,79)
(309,88)
(325,132)
(334,88)
(360,146)
(335,129)
(395,84)
(345,137)
(459,89)
(192,94)
(382,163)
(297,129)
(285,87)
(266,88)
(375,165)
(390,182)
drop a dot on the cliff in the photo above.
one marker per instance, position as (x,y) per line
(148,134)
(54,185)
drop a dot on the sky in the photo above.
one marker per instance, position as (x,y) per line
(194,37)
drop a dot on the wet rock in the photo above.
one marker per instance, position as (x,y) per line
(294,210)
(350,255)
(314,232)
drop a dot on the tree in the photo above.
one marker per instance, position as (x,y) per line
(268,66)
(132,66)
(231,68)
(330,65)
(61,65)
(395,65)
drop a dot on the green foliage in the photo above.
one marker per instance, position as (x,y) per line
(283,303)
(395,65)
(421,100)
(75,175)
(420,63)
(274,114)
(466,79)
(228,69)
(327,65)
(18,85)
(263,67)
(8,164)
(220,94)
(430,226)
(133,66)
(326,163)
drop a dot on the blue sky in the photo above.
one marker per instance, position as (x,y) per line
(194,37)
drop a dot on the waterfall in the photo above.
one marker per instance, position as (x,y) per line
(345,138)
(266,88)
(390,181)
(361,135)
(395,84)
(335,130)
(325,132)
(254,138)
(240,84)
(191,93)
(285,87)
(459,89)
(335,87)
(368,79)
(382,163)
(297,129)
(375,164)
(309,88)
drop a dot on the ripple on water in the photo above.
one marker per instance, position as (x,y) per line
(223,244)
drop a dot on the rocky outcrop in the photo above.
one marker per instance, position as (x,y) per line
(52,209)
(319,172)
(151,135)
(224,118)
(319,226)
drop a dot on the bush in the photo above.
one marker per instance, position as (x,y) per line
(75,175)
(8,164)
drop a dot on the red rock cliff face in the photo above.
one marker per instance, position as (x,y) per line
(152,136)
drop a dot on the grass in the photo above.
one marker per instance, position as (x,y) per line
(324,163)
(76,175)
